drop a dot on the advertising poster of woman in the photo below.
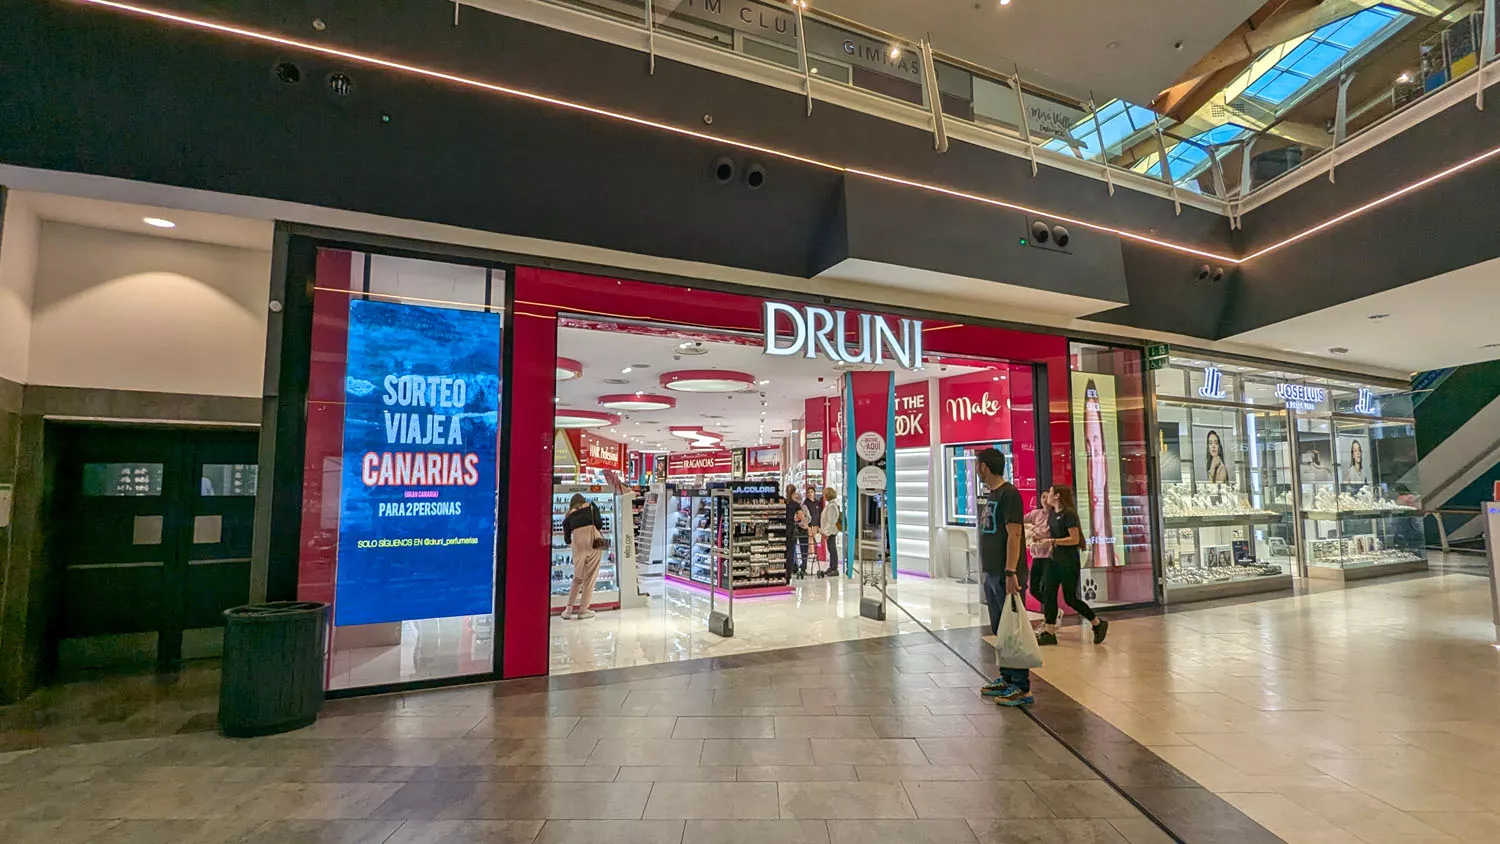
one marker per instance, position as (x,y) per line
(1216,464)
(1096,446)
(1353,469)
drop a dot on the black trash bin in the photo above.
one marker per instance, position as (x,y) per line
(272,668)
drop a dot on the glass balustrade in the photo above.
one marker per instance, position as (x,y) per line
(1284,110)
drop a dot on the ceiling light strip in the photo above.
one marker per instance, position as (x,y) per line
(417,70)
(375,61)
(1375,203)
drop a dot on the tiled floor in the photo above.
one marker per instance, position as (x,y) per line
(673,626)
(1354,716)
(853,743)
(1357,716)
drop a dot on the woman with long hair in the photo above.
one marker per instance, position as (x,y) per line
(1218,470)
(1065,569)
(1355,472)
(583,530)
(1102,546)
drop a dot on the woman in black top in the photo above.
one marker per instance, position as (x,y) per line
(796,533)
(582,527)
(1066,567)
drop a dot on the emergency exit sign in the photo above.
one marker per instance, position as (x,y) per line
(1157,356)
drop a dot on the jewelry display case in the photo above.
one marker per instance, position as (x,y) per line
(1224,511)
(1267,475)
(1359,518)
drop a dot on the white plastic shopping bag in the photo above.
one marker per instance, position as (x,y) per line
(1015,643)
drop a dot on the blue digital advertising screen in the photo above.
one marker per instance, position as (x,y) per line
(417,504)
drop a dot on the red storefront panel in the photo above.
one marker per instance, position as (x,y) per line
(540,295)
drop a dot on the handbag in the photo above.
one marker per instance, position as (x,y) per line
(601,542)
(1015,643)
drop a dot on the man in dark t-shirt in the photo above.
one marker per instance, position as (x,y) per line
(1004,563)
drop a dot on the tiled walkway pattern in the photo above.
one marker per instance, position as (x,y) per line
(1368,715)
(858,743)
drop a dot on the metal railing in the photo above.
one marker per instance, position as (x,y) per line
(1442,527)
(911,81)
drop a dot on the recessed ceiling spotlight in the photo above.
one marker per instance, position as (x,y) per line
(617,380)
(763,381)
(158,222)
(625,371)
(1379,316)
(1005,2)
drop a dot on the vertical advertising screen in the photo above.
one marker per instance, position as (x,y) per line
(1096,450)
(421,421)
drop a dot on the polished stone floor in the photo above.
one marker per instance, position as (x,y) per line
(1368,715)
(1364,715)
(882,740)
(672,626)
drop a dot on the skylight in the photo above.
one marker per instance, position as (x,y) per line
(1118,122)
(1187,160)
(1305,65)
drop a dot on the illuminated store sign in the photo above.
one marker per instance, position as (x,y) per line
(1213,384)
(1301,396)
(821,330)
(1367,403)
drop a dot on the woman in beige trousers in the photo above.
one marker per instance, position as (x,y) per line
(581,527)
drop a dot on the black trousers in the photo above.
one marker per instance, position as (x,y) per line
(1062,575)
(831,542)
(1039,566)
(793,544)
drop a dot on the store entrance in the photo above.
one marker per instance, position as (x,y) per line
(686,441)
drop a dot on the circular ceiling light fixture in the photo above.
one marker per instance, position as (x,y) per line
(568,369)
(567,418)
(707,381)
(637,401)
(696,435)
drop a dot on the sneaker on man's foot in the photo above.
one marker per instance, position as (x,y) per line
(1016,698)
(1100,631)
(997,689)
(1045,638)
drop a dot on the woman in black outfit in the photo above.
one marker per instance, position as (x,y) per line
(1066,567)
(796,533)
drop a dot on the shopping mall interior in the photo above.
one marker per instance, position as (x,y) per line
(339,344)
